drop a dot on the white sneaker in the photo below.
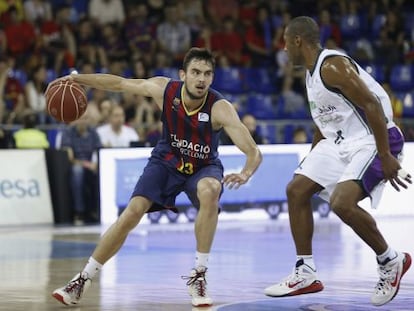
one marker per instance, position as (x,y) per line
(197,287)
(303,280)
(72,293)
(390,274)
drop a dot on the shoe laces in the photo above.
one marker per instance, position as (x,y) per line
(198,281)
(76,286)
(387,275)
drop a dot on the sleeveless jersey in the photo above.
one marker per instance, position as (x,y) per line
(336,117)
(188,141)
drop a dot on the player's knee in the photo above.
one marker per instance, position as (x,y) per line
(208,190)
(341,207)
(294,191)
(131,216)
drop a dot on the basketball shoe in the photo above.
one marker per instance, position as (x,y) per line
(303,280)
(390,272)
(72,293)
(197,287)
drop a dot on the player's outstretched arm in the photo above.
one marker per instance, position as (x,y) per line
(226,116)
(152,87)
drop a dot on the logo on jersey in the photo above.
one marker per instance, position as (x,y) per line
(176,104)
(203,117)
(188,148)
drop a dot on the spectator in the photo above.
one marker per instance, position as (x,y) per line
(154,133)
(82,142)
(192,14)
(329,29)
(300,136)
(114,44)
(251,124)
(58,41)
(34,89)
(20,35)
(35,10)
(115,133)
(140,33)
(29,137)
(6,139)
(107,11)
(217,10)
(259,38)
(173,35)
(230,43)
(12,99)
(139,113)
(88,47)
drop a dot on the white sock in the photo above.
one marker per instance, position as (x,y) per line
(307,260)
(92,267)
(389,253)
(201,259)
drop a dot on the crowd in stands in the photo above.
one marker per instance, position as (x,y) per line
(41,40)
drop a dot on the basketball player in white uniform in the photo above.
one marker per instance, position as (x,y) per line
(356,149)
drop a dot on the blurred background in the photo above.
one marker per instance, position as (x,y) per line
(42,40)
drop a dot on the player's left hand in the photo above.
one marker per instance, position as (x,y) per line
(235,180)
(394,173)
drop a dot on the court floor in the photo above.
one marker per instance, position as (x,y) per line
(247,256)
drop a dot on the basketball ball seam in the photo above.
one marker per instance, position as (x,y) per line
(62,101)
(75,100)
(51,98)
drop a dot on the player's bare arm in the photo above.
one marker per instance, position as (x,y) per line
(339,73)
(152,87)
(225,116)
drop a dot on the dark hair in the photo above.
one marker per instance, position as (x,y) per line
(306,27)
(30,120)
(200,54)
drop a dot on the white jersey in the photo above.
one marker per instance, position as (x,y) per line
(111,139)
(336,117)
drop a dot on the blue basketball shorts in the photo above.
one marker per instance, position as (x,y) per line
(161,183)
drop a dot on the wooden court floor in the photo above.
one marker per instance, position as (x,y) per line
(247,256)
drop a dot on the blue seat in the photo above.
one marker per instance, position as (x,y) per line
(350,25)
(409,23)
(401,78)
(284,111)
(376,71)
(19,75)
(228,80)
(260,80)
(377,23)
(50,75)
(169,72)
(261,106)
(268,131)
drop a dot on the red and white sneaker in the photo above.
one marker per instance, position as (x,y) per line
(303,280)
(72,293)
(390,274)
(197,287)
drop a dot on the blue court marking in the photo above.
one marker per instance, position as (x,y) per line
(70,249)
(318,304)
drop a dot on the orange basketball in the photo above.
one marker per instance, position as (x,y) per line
(66,101)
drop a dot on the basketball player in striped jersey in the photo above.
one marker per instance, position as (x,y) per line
(356,149)
(185,159)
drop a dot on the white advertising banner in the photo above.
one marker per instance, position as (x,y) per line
(24,188)
(121,168)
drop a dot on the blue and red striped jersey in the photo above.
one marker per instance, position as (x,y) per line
(188,141)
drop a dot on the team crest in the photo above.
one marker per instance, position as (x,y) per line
(176,104)
(203,117)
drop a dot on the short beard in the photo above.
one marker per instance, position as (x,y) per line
(191,95)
